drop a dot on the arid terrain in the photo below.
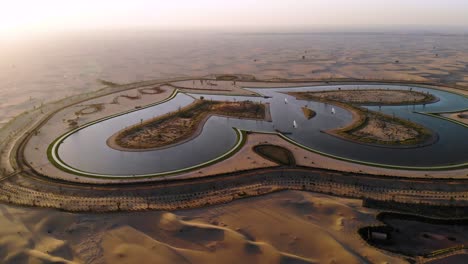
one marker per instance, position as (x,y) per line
(285,227)
(74,63)
(211,232)
(282,227)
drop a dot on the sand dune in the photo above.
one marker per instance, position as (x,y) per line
(287,227)
(128,245)
(24,238)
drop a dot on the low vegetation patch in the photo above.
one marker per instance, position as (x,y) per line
(276,154)
(227,77)
(107,83)
(90,109)
(370,96)
(308,113)
(151,90)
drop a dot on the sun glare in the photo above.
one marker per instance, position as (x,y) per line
(17,17)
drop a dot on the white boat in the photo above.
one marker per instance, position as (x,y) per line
(294,124)
(333,110)
(285,100)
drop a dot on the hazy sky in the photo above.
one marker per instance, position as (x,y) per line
(23,16)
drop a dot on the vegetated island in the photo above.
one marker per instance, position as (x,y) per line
(308,113)
(182,125)
(371,96)
(374,128)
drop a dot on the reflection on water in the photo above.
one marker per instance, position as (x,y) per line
(87,150)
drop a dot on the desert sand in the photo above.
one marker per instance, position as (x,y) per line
(73,68)
(285,227)
(458,116)
(311,228)
(290,226)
